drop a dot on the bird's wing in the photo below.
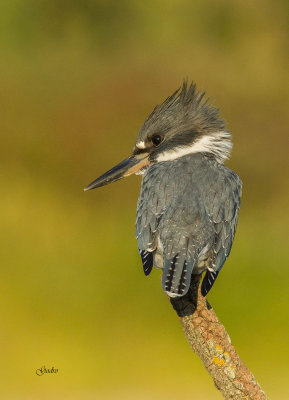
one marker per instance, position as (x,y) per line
(151,205)
(222,204)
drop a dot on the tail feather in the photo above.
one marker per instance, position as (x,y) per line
(177,276)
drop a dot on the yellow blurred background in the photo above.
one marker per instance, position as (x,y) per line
(77,80)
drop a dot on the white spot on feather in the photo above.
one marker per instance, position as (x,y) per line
(141,145)
(170,294)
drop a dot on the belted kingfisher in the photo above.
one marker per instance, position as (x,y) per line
(189,201)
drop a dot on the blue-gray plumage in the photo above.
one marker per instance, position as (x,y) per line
(189,202)
(187,225)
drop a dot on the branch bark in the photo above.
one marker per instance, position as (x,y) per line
(210,341)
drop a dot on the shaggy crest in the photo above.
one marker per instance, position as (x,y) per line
(186,107)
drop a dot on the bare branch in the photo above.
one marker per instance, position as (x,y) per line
(209,339)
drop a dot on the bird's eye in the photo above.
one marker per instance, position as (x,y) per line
(157,139)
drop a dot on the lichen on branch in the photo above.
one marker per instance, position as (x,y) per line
(210,341)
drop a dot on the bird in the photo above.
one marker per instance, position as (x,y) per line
(188,206)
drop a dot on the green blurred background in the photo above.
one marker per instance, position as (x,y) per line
(77,80)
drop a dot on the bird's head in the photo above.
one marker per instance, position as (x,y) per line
(183,124)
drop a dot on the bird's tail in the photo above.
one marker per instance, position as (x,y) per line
(177,276)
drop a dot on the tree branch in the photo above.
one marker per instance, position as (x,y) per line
(209,339)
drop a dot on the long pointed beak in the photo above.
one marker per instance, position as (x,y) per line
(125,168)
